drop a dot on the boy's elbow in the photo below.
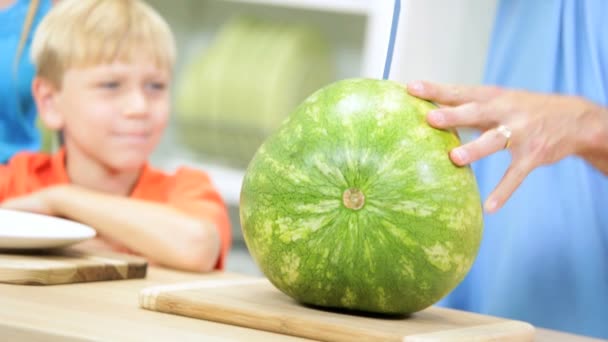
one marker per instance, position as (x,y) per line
(203,249)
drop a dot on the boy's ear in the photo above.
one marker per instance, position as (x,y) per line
(45,94)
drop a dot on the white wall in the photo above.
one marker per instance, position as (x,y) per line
(443,40)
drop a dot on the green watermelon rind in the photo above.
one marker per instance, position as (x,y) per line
(418,232)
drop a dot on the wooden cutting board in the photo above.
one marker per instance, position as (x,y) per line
(63,266)
(256,303)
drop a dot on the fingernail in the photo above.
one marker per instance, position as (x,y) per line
(416,86)
(437,117)
(491,205)
(461,155)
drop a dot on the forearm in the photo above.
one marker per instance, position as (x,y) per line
(160,233)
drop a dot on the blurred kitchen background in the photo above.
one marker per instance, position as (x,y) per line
(244,65)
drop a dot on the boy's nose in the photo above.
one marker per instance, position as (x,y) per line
(136,104)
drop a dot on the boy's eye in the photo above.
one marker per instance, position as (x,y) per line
(156,85)
(109,84)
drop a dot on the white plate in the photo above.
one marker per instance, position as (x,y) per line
(23,230)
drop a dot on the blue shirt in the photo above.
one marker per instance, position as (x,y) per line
(544,256)
(18,129)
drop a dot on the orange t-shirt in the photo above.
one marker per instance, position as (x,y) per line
(187,190)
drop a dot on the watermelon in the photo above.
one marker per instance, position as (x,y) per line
(353,203)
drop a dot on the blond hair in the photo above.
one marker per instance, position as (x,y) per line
(78,33)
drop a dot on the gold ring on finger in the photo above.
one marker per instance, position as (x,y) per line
(505,132)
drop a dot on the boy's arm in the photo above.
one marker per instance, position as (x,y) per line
(191,231)
(163,234)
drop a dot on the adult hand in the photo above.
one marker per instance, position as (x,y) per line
(536,128)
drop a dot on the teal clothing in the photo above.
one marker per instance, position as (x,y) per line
(18,129)
(544,256)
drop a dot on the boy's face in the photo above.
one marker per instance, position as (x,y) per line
(114,113)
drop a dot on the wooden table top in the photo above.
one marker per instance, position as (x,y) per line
(109,310)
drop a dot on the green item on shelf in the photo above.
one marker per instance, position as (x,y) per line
(239,90)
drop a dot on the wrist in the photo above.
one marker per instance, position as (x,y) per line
(54,198)
(593,133)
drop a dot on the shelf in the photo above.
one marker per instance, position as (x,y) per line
(356,7)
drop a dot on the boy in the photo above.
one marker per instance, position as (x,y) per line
(103,70)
